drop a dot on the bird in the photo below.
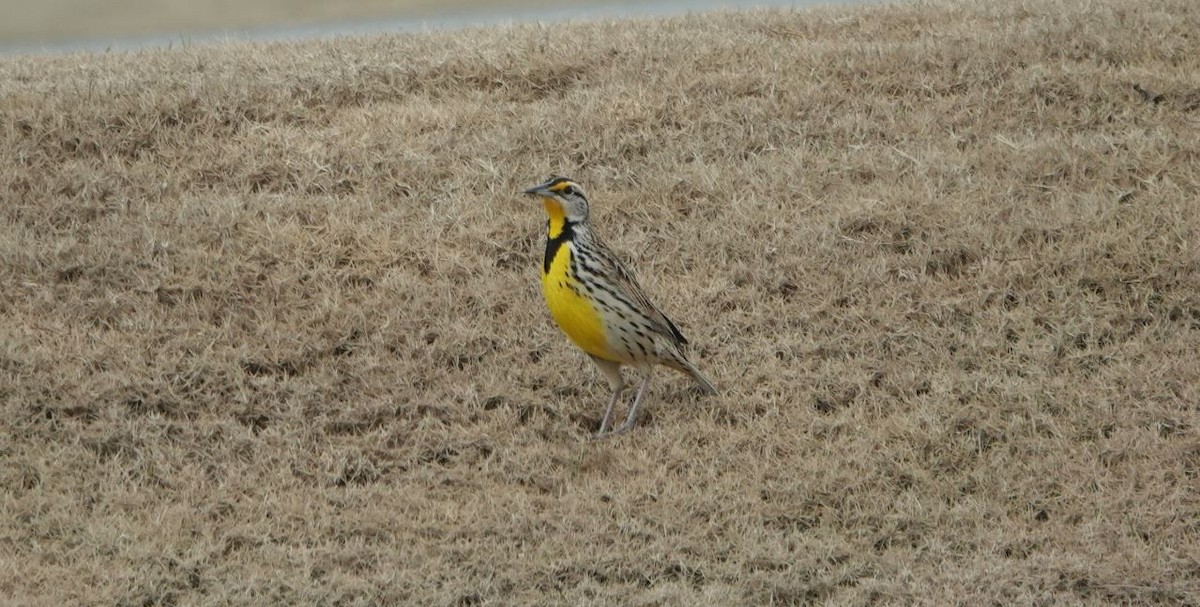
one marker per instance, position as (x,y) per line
(597,302)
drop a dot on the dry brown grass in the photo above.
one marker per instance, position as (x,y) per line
(270,329)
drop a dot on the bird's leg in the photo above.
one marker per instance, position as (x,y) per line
(604,423)
(612,371)
(631,419)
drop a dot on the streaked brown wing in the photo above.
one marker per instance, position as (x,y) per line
(624,279)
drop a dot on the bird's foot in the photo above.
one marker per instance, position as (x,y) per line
(622,429)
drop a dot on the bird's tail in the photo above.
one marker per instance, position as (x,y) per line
(691,369)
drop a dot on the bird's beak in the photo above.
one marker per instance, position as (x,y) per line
(539,190)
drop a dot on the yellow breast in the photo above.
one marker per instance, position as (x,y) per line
(571,309)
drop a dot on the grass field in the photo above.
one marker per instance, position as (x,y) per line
(270,329)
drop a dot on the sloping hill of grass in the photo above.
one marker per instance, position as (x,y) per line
(270,329)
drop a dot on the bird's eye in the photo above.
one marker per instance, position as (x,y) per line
(570,190)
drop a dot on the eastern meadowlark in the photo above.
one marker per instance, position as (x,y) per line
(597,302)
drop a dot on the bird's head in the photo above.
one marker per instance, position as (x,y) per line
(563,198)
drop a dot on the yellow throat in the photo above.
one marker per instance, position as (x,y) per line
(558,219)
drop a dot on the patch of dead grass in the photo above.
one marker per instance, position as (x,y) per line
(270,330)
